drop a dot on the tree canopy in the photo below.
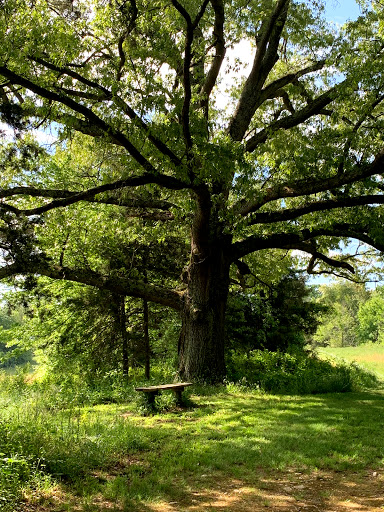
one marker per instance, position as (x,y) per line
(149,141)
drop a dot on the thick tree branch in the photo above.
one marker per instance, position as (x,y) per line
(368,111)
(65,70)
(81,94)
(63,193)
(133,12)
(256,243)
(112,134)
(272,89)
(265,58)
(218,34)
(187,81)
(313,108)
(88,128)
(186,75)
(120,284)
(163,148)
(140,208)
(180,8)
(317,255)
(200,14)
(65,198)
(316,206)
(313,186)
(102,94)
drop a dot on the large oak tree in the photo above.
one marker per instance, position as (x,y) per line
(289,156)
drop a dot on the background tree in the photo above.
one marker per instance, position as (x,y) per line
(278,317)
(10,353)
(95,331)
(340,324)
(371,318)
(296,165)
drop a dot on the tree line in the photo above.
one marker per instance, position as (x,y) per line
(353,315)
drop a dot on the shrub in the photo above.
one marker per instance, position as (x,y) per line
(14,471)
(298,373)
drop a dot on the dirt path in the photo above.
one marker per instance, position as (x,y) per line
(289,491)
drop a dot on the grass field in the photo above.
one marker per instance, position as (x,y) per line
(231,450)
(369,356)
(110,457)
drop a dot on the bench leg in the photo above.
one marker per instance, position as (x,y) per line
(179,396)
(151,397)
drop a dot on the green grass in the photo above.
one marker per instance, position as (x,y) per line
(112,452)
(370,356)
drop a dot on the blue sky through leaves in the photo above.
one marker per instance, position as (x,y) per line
(340,11)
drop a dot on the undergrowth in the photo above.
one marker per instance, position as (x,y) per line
(63,428)
(297,373)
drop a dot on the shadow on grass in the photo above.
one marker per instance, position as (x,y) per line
(276,491)
(232,436)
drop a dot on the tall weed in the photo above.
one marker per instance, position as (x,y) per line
(49,428)
(298,373)
(14,472)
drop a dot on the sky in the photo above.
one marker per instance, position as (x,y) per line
(341,11)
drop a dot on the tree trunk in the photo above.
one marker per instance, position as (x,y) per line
(147,346)
(202,339)
(124,336)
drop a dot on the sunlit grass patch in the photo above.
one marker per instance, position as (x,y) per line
(369,356)
(112,452)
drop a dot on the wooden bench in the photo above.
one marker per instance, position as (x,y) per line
(153,391)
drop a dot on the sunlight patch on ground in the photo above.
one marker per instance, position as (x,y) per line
(372,358)
(286,492)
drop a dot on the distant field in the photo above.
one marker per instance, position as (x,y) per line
(368,356)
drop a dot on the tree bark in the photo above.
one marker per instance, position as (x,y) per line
(202,338)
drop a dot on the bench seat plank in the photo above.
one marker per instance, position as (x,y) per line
(151,389)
